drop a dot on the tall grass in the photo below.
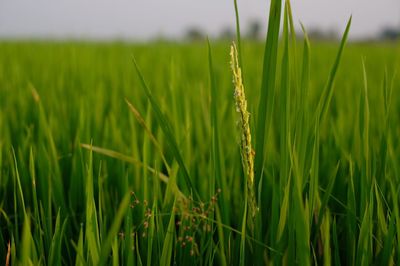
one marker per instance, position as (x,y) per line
(108,161)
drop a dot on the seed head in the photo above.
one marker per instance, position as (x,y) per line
(244,125)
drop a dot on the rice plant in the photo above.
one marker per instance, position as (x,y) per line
(134,154)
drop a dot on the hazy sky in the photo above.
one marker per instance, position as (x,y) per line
(142,19)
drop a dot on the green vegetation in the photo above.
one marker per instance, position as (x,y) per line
(109,160)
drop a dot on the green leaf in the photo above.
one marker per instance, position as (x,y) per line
(166,253)
(266,102)
(327,93)
(56,243)
(113,232)
(92,226)
(26,245)
(167,130)
(364,248)
(79,260)
(325,199)
(284,209)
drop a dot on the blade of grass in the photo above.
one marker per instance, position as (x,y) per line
(56,243)
(79,260)
(364,247)
(266,102)
(325,199)
(293,47)
(379,210)
(113,232)
(18,179)
(386,257)
(302,130)
(284,167)
(335,244)
(351,217)
(284,105)
(142,122)
(92,225)
(242,256)
(114,250)
(218,177)
(327,93)
(26,245)
(51,151)
(167,250)
(151,236)
(129,159)
(326,237)
(216,157)
(301,213)
(167,130)
(284,209)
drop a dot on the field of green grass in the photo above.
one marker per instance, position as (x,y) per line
(100,166)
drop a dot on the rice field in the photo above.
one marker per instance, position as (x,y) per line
(141,154)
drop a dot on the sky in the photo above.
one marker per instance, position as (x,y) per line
(146,19)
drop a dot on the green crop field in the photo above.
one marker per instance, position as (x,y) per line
(141,154)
